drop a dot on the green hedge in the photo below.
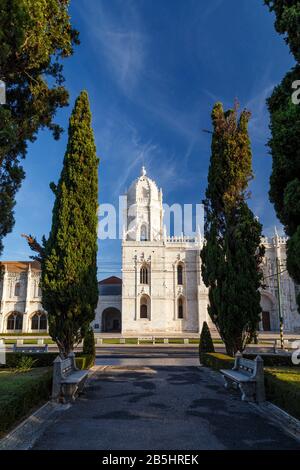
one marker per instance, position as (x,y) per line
(45,360)
(283,389)
(217,361)
(221,361)
(272,360)
(19,393)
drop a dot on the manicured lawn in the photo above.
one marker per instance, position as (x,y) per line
(20,393)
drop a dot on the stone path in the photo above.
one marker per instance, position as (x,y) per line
(161,408)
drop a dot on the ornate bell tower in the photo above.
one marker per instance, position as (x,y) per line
(144,211)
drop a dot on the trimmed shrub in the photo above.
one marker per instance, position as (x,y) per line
(21,394)
(217,361)
(43,360)
(89,343)
(283,390)
(206,344)
(271,359)
(40,359)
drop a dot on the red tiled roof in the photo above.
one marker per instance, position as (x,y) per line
(111,280)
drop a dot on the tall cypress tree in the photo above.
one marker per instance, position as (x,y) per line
(69,270)
(35,35)
(284,143)
(232,253)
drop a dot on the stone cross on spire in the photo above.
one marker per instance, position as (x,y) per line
(144,172)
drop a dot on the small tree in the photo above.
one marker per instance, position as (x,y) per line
(89,343)
(284,143)
(232,255)
(35,35)
(69,256)
(206,344)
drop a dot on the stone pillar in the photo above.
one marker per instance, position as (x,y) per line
(2,300)
(260,381)
(136,287)
(56,379)
(174,292)
(26,326)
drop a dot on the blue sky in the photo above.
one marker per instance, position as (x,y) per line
(153,70)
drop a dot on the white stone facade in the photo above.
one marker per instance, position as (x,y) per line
(275,262)
(21,308)
(161,291)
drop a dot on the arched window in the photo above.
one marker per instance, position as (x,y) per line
(39,321)
(144,233)
(17,289)
(15,321)
(144,311)
(144,275)
(37,289)
(145,307)
(179,275)
(180,308)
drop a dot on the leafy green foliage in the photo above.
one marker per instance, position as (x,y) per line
(287,22)
(20,392)
(217,361)
(69,269)
(206,343)
(25,364)
(89,343)
(284,143)
(34,36)
(283,388)
(45,360)
(232,254)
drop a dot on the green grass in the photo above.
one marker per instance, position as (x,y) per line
(30,341)
(9,335)
(20,393)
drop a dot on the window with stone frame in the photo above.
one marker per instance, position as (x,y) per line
(39,322)
(180,308)
(17,290)
(15,321)
(144,278)
(180,275)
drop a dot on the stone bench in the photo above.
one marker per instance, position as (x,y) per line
(30,349)
(68,381)
(248,376)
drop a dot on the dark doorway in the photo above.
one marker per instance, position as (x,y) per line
(111,320)
(266,321)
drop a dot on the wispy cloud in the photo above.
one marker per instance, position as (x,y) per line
(119,38)
(257,105)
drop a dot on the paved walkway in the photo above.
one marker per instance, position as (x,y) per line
(161,408)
